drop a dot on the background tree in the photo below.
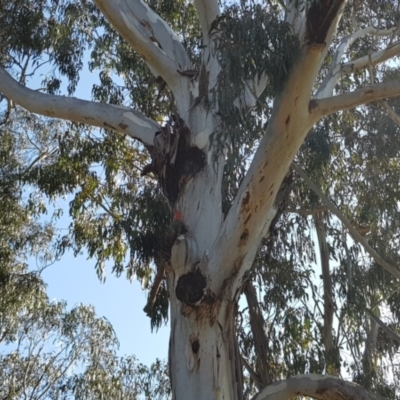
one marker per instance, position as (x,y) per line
(258,130)
(60,354)
(48,351)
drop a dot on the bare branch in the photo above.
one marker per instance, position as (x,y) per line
(118,118)
(294,14)
(337,70)
(154,288)
(38,159)
(384,327)
(305,212)
(322,387)
(208,11)
(371,59)
(149,35)
(329,307)
(250,370)
(369,354)
(353,231)
(252,92)
(350,100)
(392,113)
(257,324)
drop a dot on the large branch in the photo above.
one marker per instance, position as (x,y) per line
(337,70)
(353,231)
(350,100)
(256,205)
(149,35)
(322,387)
(118,118)
(208,11)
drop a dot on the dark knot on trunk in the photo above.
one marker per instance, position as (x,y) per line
(191,288)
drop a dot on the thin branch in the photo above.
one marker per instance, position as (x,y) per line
(371,59)
(149,35)
(367,359)
(392,113)
(353,231)
(395,336)
(304,212)
(22,79)
(259,337)
(250,370)
(329,308)
(148,308)
(338,70)
(118,118)
(322,387)
(347,101)
(252,92)
(41,157)
(349,272)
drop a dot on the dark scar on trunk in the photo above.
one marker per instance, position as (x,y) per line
(190,288)
(174,160)
(243,238)
(320,17)
(195,346)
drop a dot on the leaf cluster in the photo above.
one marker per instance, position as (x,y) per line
(250,42)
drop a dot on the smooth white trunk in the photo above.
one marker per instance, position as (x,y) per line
(203,356)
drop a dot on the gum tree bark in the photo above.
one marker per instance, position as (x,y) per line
(210,255)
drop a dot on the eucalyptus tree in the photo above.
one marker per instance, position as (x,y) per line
(46,350)
(22,234)
(71,354)
(221,98)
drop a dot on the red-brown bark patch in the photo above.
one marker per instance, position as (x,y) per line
(244,237)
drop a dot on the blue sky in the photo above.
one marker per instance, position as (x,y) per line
(121,302)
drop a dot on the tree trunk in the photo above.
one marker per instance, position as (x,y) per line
(203,353)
